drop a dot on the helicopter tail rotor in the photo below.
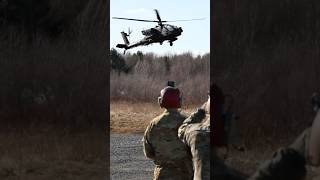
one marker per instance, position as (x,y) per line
(125,37)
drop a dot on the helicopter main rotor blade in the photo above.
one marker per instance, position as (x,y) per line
(143,20)
(158,16)
(186,20)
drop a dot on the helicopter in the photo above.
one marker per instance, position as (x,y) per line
(158,34)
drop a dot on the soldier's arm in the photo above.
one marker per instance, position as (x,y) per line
(181,131)
(196,117)
(147,147)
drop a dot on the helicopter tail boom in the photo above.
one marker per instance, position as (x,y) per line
(122,46)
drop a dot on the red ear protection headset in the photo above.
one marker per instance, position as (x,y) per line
(170,97)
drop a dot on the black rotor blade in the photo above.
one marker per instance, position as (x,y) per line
(143,20)
(158,16)
(186,20)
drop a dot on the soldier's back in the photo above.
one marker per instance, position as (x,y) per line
(170,155)
(163,136)
(197,137)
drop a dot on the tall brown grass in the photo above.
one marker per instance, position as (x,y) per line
(53,103)
(267,56)
(46,154)
(149,74)
(58,80)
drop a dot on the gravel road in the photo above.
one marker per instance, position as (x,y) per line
(127,159)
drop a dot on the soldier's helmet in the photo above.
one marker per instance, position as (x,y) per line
(170,97)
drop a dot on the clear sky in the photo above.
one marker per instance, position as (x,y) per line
(195,37)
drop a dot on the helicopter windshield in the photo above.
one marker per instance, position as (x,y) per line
(149,32)
(170,27)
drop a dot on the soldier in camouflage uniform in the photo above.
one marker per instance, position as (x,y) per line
(161,143)
(195,133)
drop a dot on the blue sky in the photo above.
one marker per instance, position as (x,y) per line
(195,37)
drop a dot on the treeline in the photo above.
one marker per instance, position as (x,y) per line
(53,63)
(139,77)
(267,56)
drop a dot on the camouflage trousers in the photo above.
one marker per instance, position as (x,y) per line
(170,171)
(200,150)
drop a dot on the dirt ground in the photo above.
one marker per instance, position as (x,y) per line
(134,117)
(53,155)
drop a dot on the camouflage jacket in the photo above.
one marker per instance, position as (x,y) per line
(195,133)
(161,142)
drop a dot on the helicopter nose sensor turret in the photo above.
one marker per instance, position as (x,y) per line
(178,31)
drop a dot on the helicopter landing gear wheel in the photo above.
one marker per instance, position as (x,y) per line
(171,43)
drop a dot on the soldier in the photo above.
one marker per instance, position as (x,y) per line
(195,133)
(161,143)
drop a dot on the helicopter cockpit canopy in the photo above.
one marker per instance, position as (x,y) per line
(170,27)
(149,32)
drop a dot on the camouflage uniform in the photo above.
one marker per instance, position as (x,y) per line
(195,133)
(161,144)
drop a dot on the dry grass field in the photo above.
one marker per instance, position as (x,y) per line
(267,57)
(53,154)
(128,117)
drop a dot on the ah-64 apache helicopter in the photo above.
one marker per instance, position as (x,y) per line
(162,32)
